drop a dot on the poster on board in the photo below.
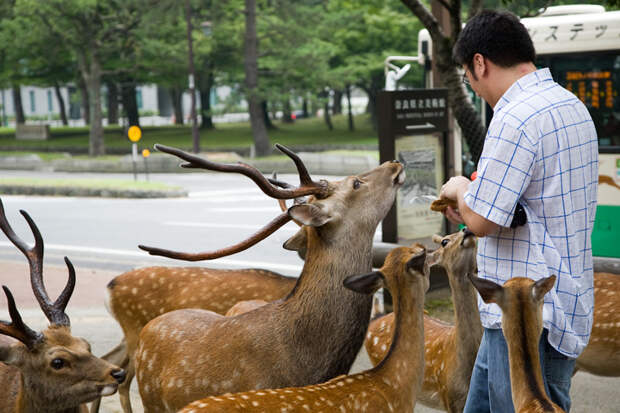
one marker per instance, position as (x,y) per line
(422,156)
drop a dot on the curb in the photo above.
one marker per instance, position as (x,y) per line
(90,192)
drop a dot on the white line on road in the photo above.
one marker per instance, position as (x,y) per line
(124,253)
(290,228)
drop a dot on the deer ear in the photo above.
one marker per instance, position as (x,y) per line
(297,242)
(437,238)
(309,214)
(489,291)
(10,353)
(542,287)
(416,263)
(432,257)
(365,283)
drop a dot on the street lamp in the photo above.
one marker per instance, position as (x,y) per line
(191,79)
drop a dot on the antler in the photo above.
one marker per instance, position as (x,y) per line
(263,233)
(308,186)
(54,311)
(16,328)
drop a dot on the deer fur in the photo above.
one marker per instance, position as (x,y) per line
(392,386)
(521,301)
(450,350)
(309,337)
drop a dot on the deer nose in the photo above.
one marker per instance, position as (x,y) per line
(119,375)
(394,161)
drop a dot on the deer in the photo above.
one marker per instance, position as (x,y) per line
(227,292)
(521,302)
(602,354)
(47,371)
(390,386)
(308,337)
(450,350)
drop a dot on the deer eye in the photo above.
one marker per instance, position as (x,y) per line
(356,184)
(444,242)
(57,363)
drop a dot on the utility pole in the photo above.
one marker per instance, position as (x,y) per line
(191,79)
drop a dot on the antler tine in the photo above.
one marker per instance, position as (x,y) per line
(59,317)
(16,328)
(263,233)
(34,256)
(304,175)
(318,189)
(274,181)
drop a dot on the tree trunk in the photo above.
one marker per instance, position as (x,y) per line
(85,100)
(372,91)
(112,103)
(466,115)
(304,107)
(337,106)
(257,115)
(268,123)
(206,121)
(17,103)
(177,104)
(327,116)
(350,114)
(286,111)
(130,102)
(93,83)
(61,104)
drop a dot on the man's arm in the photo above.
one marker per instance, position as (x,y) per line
(455,189)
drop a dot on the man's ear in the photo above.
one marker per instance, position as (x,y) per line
(309,214)
(365,283)
(297,242)
(489,291)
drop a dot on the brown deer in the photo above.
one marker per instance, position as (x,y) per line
(392,386)
(450,350)
(311,336)
(49,371)
(165,289)
(602,354)
(521,301)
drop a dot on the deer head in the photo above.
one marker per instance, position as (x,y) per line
(456,252)
(58,370)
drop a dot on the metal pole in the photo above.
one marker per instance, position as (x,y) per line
(191,77)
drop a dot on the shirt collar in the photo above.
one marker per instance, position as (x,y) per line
(525,82)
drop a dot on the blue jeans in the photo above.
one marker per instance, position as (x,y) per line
(489,389)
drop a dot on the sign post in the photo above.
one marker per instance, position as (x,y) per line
(412,130)
(134,133)
(145,154)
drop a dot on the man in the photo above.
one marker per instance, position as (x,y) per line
(541,152)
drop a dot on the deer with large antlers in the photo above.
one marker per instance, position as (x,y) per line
(49,371)
(312,335)
(392,386)
(450,350)
(521,301)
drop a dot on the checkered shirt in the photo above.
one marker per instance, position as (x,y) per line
(541,150)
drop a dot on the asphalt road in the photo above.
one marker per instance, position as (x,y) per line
(100,236)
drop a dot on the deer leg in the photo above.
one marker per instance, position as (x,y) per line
(123,389)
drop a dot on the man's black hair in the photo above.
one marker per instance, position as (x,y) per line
(497,35)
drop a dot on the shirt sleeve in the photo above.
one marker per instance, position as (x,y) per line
(504,173)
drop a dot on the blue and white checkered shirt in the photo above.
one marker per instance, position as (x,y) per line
(541,150)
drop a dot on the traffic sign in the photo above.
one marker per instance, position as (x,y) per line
(134,133)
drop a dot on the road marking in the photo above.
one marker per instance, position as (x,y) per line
(287,227)
(124,253)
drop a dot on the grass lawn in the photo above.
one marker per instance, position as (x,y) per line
(226,135)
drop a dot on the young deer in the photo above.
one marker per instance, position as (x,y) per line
(521,301)
(391,386)
(311,336)
(602,354)
(450,350)
(49,371)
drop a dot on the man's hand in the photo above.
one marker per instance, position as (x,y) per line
(454,216)
(454,185)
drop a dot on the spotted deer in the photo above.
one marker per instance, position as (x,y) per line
(450,350)
(49,371)
(392,386)
(602,354)
(312,335)
(521,301)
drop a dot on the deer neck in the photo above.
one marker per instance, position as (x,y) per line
(522,337)
(401,368)
(467,323)
(33,399)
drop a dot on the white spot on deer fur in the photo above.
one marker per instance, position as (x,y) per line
(383,347)
(375,340)
(255,404)
(179,383)
(134,291)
